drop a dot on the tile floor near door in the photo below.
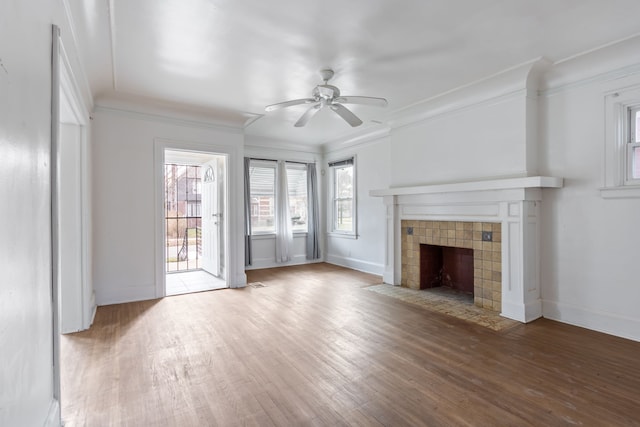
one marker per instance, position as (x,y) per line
(192,281)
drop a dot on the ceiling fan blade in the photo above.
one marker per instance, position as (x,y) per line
(362,100)
(346,114)
(307,115)
(286,104)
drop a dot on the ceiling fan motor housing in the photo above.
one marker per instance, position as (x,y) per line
(327,92)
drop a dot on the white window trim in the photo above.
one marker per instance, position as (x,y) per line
(262,235)
(616,182)
(330,218)
(264,164)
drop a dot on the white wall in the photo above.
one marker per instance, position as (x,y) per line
(590,245)
(366,253)
(124,205)
(263,246)
(480,142)
(28,392)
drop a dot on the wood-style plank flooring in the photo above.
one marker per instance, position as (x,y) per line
(313,348)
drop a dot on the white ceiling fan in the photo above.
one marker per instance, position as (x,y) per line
(326,95)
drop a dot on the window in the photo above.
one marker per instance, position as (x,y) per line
(263,196)
(297,186)
(621,169)
(633,146)
(343,202)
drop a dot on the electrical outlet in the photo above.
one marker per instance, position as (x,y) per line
(487,236)
(410,231)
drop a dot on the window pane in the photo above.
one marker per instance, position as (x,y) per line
(262,181)
(637,126)
(343,198)
(343,215)
(297,185)
(635,163)
(344,182)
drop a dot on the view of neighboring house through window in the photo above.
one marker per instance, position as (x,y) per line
(633,160)
(183,195)
(262,175)
(343,197)
(263,196)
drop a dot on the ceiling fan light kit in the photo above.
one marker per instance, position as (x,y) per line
(326,95)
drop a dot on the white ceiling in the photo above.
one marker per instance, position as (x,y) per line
(229,59)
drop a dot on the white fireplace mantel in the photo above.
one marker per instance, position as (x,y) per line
(513,202)
(494,184)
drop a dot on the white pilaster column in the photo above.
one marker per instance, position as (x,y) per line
(391,273)
(521,260)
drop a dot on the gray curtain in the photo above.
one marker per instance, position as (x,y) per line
(247,212)
(313,216)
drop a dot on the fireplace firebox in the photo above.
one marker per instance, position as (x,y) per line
(446,266)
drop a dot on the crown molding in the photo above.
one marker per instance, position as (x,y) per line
(521,80)
(609,62)
(371,136)
(77,70)
(166,118)
(256,144)
(151,109)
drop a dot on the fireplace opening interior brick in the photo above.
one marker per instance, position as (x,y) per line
(446,266)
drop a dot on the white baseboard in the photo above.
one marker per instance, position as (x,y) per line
(524,313)
(356,264)
(92,309)
(240,280)
(258,263)
(93,313)
(607,323)
(53,417)
(125,294)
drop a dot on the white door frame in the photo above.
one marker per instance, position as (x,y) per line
(66,101)
(160,145)
(73,112)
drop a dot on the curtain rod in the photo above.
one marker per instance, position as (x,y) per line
(286,161)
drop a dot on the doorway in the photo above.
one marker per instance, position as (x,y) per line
(194,221)
(72,198)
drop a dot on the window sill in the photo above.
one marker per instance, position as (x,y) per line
(343,235)
(266,236)
(621,192)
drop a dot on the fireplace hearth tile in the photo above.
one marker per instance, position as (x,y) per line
(449,304)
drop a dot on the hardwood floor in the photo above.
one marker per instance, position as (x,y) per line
(312,347)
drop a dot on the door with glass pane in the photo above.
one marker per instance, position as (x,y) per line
(211,217)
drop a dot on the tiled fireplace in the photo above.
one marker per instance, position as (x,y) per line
(486,258)
(505,269)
